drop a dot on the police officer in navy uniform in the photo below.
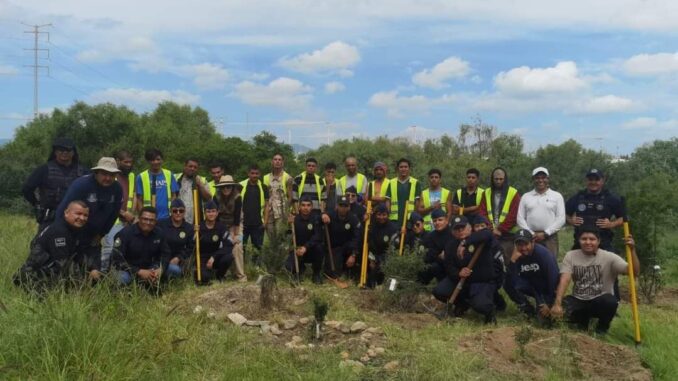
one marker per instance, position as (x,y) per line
(382,235)
(180,238)
(309,239)
(344,231)
(216,246)
(53,251)
(47,184)
(595,206)
(139,250)
(435,247)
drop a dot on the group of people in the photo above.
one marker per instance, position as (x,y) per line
(152,225)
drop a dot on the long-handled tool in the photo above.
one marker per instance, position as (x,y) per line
(364,259)
(632,286)
(196,222)
(294,253)
(403,229)
(460,283)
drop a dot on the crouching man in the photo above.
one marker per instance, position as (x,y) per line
(53,251)
(480,285)
(592,271)
(533,272)
(139,250)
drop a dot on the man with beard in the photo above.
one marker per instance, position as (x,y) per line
(103,196)
(435,248)
(382,235)
(189,180)
(377,189)
(500,206)
(308,235)
(46,186)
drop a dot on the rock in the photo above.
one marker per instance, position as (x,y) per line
(375,331)
(197,309)
(345,355)
(256,323)
(211,315)
(289,345)
(237,319)
(289,324)
(265,328)
(358,327)
(310,345)
(345,329)
(365,359)
(372,353)
(298,302)
(351,363)
(275,330)
(231,301)
(366,336)
(297,339)
(304,321)
(332,323)
(392,366)
(379,350)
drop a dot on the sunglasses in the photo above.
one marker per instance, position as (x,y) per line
(351,195)
(63,149)
(178,211)
(228,186)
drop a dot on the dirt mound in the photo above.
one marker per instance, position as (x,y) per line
(568,354)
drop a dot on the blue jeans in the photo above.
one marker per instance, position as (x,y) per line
(107,247)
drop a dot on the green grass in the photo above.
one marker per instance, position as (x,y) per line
(101,334)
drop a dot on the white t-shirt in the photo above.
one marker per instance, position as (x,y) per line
(592,275)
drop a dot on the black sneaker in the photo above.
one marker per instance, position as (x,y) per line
(317,278)
(499,302)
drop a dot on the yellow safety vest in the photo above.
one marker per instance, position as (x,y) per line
(393,184)
(146,186)
(285,177)
(426,199)
(212,186)
(317,185)
(382,190)
(512,192)
(262,200)
(479,196)
(130,193)
(359,183)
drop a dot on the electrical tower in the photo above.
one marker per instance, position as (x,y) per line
(36,67)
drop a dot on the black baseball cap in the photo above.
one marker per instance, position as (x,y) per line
(523,235)
(593,172)
(343,200)
(459,221)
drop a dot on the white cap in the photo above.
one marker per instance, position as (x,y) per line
(540,169)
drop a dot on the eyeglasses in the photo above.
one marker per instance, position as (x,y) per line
(178,211)
(351,195)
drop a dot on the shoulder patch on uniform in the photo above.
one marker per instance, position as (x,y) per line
(182,235)
(215,238)
(347,226)
(117,242)
(386,238)
(309,226)
(60,241)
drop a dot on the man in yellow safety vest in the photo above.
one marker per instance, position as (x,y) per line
(434,197)
(155,183)
(401,189)
(352,177)
(500,206)
(466,201)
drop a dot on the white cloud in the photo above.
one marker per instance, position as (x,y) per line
(652,64)
(336,57)
(444,71)
(8,70)
(396,104)
(283,92)
(562,78)
(334,87)
(640,123)
(143,98)
(206,76)
(605,104)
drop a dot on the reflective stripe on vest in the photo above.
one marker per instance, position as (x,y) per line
(285,177)
(262,199)
(393,184)
(146,186)
(512,192)
(479,196)
(317,185)
(382,190)
(359,183)
(426,200)
(130,193)
(213,189)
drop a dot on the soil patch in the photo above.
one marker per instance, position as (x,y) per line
(573,355)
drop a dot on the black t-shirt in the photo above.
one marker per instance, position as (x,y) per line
(466,198)
(251,205)
(179,239)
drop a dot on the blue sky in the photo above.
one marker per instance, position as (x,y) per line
(602,72)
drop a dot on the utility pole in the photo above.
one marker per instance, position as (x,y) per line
(36,68)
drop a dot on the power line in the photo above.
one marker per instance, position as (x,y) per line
(36,67)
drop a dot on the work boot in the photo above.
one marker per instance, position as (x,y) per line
(491,318)
(317,278)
